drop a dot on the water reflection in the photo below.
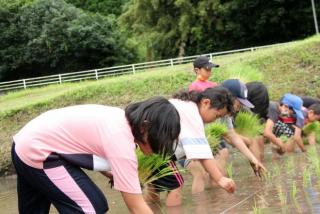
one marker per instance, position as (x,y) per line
(287,189)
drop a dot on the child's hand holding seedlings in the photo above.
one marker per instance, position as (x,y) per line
(227,184)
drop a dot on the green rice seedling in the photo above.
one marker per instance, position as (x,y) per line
(214,132)
(306,177)
(294,191)
(268,176)
(230,170)
(256,209)
(248,124)
(284,138)
(289,164)
(152,167)
(276,170)
(282,195)
(314,160)
(245,73)
(313,127)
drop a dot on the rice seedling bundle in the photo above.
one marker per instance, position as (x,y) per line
(313,128)
(214,132)
(152,167)
(248,124)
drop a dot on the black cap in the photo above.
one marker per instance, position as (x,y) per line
(238,90)
(203,62)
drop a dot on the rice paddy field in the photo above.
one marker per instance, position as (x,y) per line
(291,184)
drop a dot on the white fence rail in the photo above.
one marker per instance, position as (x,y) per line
(112,71)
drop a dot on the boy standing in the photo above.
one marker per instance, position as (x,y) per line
(202,67)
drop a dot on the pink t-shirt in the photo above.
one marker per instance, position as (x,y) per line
(199,85)
(95,137)
(193,143)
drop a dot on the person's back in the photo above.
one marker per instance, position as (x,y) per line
(77,133)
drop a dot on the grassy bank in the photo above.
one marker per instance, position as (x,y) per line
(291,68)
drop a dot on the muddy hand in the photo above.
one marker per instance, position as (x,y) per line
(258,168)
(227,184)
(111,182)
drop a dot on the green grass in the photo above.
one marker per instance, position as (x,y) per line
(291,68)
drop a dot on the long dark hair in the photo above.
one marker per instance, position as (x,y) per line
(219,97)
(161,121)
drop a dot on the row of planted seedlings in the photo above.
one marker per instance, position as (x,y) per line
(296,176)
(283,171)
(155,166)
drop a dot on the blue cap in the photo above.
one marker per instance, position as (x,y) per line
(238,90)
(294,102)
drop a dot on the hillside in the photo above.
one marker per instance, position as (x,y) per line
(290,68)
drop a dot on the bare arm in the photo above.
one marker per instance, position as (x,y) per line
(268,134)
(236,140)
(136,203)
(298,139)
(311,139)
(210,166)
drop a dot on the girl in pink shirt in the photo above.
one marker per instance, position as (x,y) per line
(49,152)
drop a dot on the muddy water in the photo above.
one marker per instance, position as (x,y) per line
(282,192)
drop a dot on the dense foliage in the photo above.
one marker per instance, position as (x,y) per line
(104,7)
(41,37)
(50,36)
(178,27)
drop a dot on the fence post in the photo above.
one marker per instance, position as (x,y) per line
(60,79)
(24,84)
(171,61)
(211,57)
(96,72)
(133,69)
(252,49)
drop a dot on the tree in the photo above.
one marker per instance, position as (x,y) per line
(205,26)
(51,36)
(104,7)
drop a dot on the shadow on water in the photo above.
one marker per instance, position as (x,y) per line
(290,186)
